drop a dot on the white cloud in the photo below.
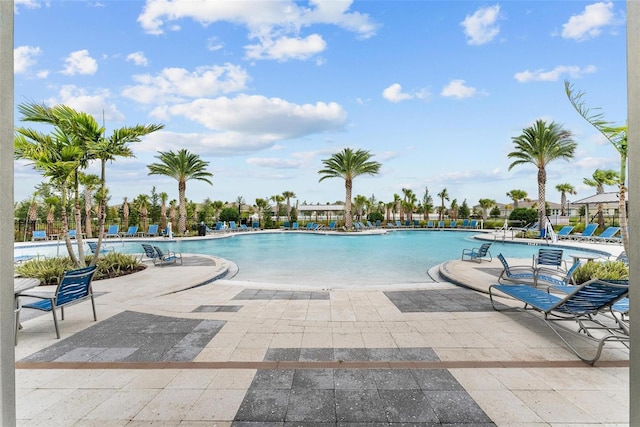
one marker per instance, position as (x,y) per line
(275,25)
(274,163)
(286,48)
(395,94)
(138,58)
(258,115)
(481,27)
(80,62)
(458,89)
(24,57)
(178,83)
(213,44)
(554,75)
(97,103)
(29,4)
(590,22)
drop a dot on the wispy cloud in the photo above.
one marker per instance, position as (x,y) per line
(554,75)
(395,94)
(458,89)
(80,62)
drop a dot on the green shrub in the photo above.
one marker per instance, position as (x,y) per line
(607,270)
(524,215)
(50,270)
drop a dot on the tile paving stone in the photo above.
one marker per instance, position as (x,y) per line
(311,405)
(282,354)
(418,354)
(264,405)
(350,354)
(217,309)
(439,300)
(154,338)
(407,406)
(271,294)
(314,379)
(316,354)
(359,406)
(456,407)
(436,379)
(354,379)
(395,379)
(273,379)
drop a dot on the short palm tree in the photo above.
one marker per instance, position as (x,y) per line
(349,164)
(539,145)
(600,179)
(444,195)
(182,166)
(516,195)
(288,195)
(564,189)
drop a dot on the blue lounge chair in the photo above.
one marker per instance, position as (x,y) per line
(152,231)
(398,224)
(440,224)
(430,224)
(565,232)
(148,252)
(295,226)
(113,231)
(233,226)
(473,223)
(74,286)
(478,254)
(93,247)
(515,274)
(73,234)
(131,232)
(256,225)
(587,233)
(582,305)
(453,224)
(465,223)
(39,235)
(608,236)
(168,257)
(243,227)
(548,262)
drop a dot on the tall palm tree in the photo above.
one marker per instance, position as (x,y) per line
(600,179)
(485,205)
(182,166)
(90,182)
(564,189)
(444,195)
(617,136)
(539,145)
(288,195)
(51,202)
(516,195)
(277,198)
(163,209)
(261,204)
(142,205)
(172,212)
(348,164)
(125,214)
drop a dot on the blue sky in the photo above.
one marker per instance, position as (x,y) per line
(265,90)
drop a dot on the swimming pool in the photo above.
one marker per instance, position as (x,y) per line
(306,258)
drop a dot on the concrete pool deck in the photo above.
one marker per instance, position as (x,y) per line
(164,352)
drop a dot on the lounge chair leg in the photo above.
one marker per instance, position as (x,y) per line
(55,321)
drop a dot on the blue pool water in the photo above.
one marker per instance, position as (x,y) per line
(330,260)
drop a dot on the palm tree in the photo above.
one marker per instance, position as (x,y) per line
(443,196)
(359,203)
(125,213)
(90,183)
(516,195)
(51,203)
(539,145)
(453,210)
(617,136)
(348,164)
(181,166)
(163,209)
(142,205)
(261,204)
(239,203)
(600,179)
(277,198)
(564,189)
(172,212)
(288,195)
(486,204)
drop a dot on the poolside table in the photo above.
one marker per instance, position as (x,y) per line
(586,257)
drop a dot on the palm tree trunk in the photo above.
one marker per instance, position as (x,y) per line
(348,220)
(182,220)
(542,182)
